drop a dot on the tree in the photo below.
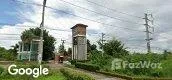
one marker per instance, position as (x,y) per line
(49,41)
(93,47)
(69,51)
(14,49)
(6,54)
(2,51)
(90,47)
(165,54)
(115,48)
(62,49)
(100,44)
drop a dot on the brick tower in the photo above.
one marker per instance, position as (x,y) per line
(79,42)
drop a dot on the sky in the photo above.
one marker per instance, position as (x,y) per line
(120,19)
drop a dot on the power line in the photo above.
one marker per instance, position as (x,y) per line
(58,29)
(86,18)
(113,9)
(101,13)
(19,8)
(27,26)
(157,48)
(91,19)
(86,8)
(90,2)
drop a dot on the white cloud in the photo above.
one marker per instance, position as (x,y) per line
(51,21)
(59,20)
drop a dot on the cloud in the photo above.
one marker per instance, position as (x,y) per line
(53,20)
(62,22)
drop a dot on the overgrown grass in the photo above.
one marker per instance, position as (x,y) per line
(53,75)
(166,70)
(105,63)
(1,70)
(75,75)
(86,66)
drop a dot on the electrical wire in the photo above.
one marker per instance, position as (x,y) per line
(82,17)
(116,18)
(114,10)
(92,20)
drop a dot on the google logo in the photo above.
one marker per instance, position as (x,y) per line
(12,69)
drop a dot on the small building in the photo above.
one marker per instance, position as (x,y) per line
(79,43)
(28,50)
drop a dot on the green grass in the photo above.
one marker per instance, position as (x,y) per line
(105,64)
(54,75)
(167,67)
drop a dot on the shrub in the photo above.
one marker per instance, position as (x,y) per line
(115,75)
(115,48)
(83,61)
(73,61)
(86,66)
(137,57)
(75,75)
(130,77)
(97,58)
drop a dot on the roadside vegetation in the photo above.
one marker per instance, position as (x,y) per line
(114,49)
(54,74)
(9,55)
(98,60)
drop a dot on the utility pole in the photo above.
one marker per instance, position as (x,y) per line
(148,32)
(102,41)
(40,52)
(63,41)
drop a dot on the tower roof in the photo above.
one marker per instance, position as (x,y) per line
(79,25)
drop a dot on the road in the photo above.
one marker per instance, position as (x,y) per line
(97,76)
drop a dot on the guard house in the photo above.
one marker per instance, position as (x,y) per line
(79,43)
(28,50)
